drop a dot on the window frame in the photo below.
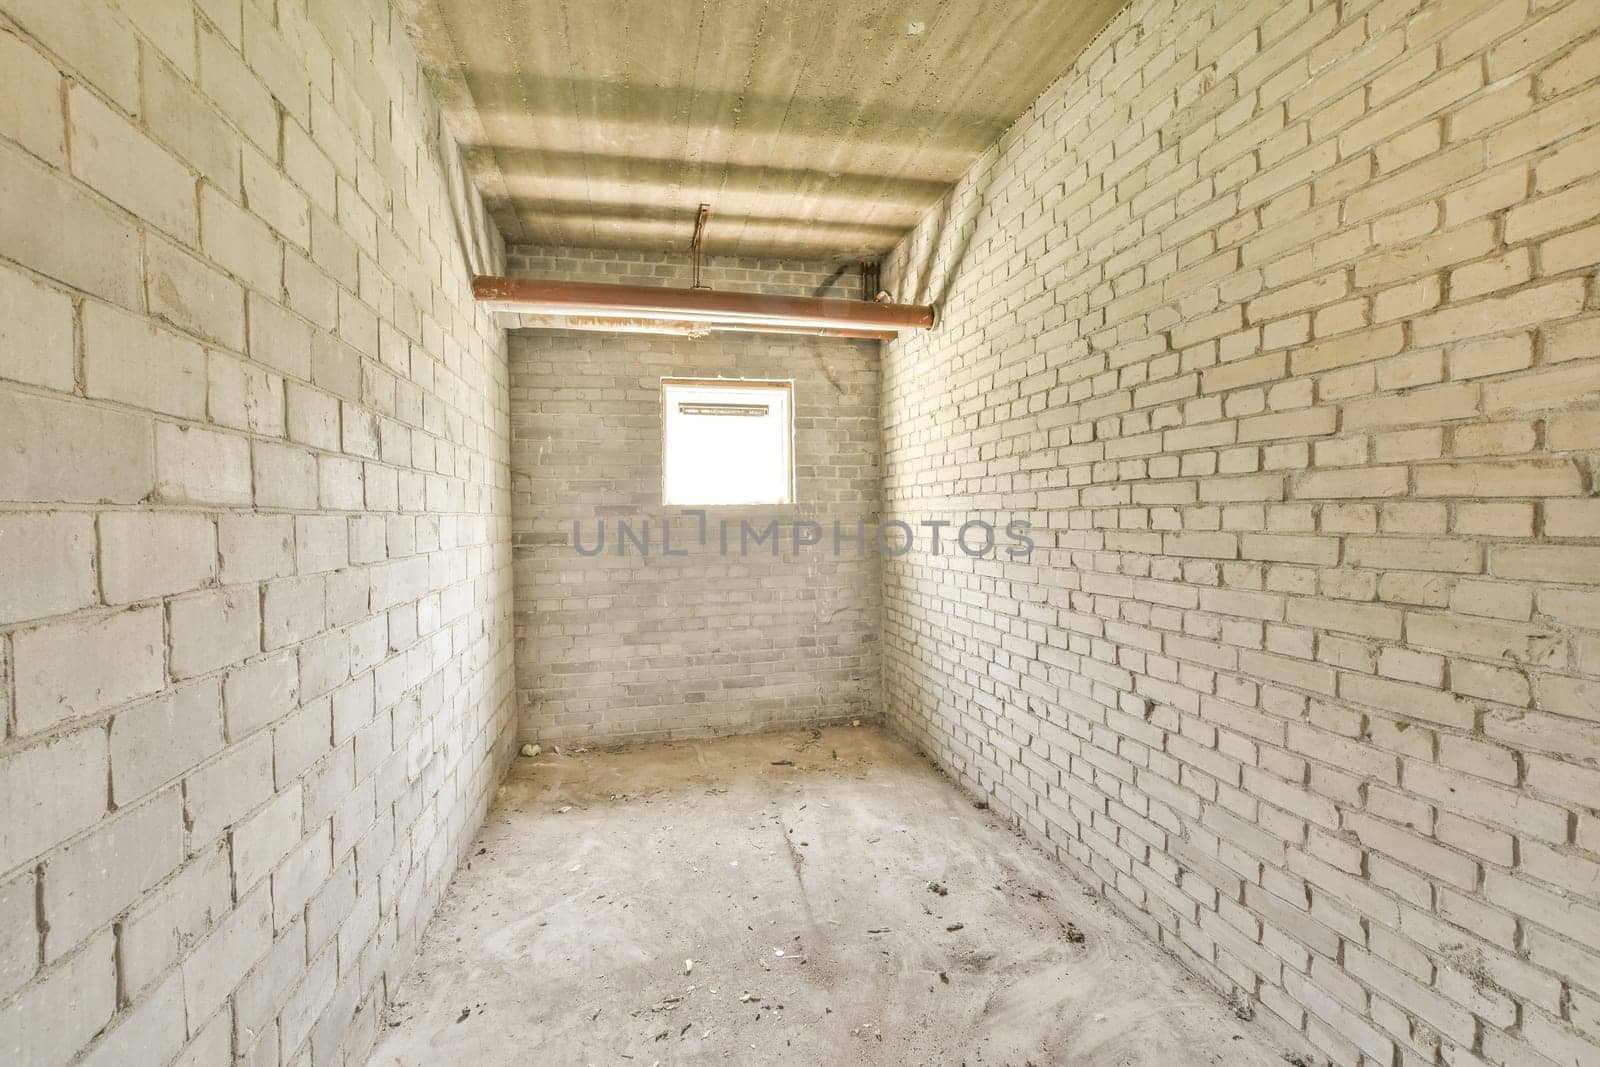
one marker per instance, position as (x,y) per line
(784,385)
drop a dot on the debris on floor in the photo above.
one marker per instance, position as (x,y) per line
(681,859)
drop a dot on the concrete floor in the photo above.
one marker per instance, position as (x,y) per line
(794,870)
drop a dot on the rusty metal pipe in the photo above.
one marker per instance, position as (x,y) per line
(683,327)
(709,308)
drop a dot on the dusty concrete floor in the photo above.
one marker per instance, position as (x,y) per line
(794,870)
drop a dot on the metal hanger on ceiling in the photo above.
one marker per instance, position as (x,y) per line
(695,243)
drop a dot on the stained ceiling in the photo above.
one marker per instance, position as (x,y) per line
(812,127)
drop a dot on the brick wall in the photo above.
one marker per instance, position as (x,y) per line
(839,280)
(628,647)
(255,586)
(1278,320)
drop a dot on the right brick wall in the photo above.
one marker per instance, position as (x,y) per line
(1278,321)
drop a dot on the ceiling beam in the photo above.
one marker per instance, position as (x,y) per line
(708,308)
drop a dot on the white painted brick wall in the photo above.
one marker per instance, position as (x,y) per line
(613,648)
(229,271)
(1278,320)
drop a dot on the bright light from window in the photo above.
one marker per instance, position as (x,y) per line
(726,442)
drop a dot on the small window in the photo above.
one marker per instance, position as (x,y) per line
(727,441)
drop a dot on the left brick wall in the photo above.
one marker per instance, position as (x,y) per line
(255,572)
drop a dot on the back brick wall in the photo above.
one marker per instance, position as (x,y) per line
(615,647)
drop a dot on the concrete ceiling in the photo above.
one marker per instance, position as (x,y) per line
(812,127)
